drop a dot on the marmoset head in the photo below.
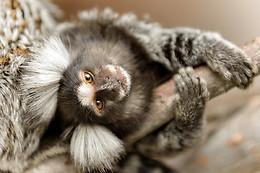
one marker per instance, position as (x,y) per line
(91,92)
(103,91)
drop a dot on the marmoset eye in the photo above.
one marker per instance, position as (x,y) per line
(88,77)
(99,104)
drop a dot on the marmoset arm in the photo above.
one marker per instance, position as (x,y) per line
(165,93)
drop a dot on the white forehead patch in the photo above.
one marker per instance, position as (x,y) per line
(111,68)
(86,94)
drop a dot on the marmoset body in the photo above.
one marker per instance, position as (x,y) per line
(96,77)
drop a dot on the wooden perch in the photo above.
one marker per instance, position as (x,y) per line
(164,94)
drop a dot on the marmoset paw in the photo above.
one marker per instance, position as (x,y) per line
(191,98)
(237,67)
(244,71)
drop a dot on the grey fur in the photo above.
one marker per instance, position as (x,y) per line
(136,163)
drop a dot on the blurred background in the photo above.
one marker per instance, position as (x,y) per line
(237,20)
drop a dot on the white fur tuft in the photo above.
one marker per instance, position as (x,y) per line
(86,94)
(94,147)
(40,81)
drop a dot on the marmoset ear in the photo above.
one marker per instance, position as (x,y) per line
(94,147)
(41,76)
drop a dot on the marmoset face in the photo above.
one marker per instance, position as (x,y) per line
(90,94)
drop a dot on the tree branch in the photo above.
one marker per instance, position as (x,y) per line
(160,113)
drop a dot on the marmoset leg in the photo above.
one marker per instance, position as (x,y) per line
(186,128)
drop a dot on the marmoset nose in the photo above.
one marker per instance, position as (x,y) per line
(110,91)
(113,82)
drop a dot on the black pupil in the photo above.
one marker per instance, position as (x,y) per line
(98,103)
(88,77)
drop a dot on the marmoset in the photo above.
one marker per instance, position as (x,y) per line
(96,76)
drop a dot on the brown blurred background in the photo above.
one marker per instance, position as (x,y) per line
(236,20)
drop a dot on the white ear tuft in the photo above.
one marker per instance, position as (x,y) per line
(94,147)
(41,76)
